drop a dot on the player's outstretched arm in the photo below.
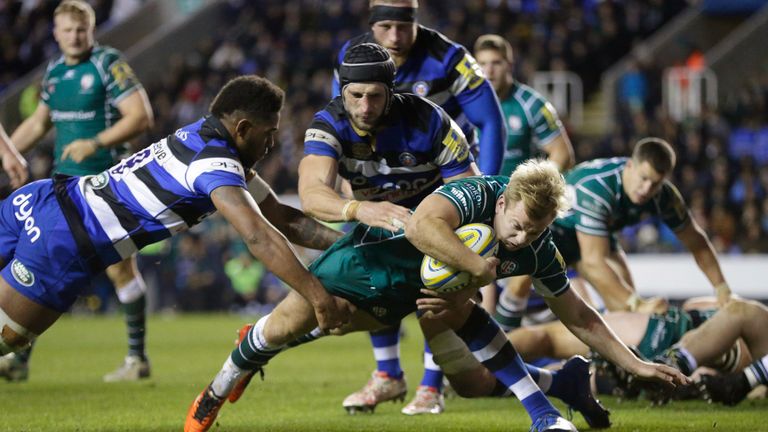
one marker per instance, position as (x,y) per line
(584,322)
(696,241)
(594,266)
(31,130)
(300,229)
(270,247)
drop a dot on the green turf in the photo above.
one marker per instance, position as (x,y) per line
(303,389)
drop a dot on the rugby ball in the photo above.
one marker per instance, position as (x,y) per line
(442,278)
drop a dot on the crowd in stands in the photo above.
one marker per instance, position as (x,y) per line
(722,155)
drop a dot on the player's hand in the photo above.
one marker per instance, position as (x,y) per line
(652,305)
(487,276)
(383,214)
(79,150)
(441,304)
(660,373)
(15,166)
(332,312)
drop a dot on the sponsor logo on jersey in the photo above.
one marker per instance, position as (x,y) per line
(590,222)
(68,75)
(86,83)
(161,151)
(24,214)
(507,267)
(470,71)
(99,181)
(22,274)
(459,197)
(457,146)
(72,115)
(515,123)
(123,74)
(560,259)
(181,134)
(407,159)
(361,151)
(420,88)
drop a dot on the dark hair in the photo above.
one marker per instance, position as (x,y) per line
(253,95)
(657,152)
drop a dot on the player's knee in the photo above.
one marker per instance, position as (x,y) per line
(478,382)
(12,340)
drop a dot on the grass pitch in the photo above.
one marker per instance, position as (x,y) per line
(302,391)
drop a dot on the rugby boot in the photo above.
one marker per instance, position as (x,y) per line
(428,400)
(552,423)
(380,388)
(580,398)
(203,411)
(13,369)
(239,388)
(729,389)
(133,368)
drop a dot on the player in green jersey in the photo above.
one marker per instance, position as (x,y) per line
(609,194)
(533,129)
(96,104)
(378,271)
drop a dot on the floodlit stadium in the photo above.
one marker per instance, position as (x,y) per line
(189,188)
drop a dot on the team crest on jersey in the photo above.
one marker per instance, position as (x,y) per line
(99,181)
(507,267)
(22,274)
(86,82)
(514,122)
(361,151)
(420,88)
(407,159)
(379,311)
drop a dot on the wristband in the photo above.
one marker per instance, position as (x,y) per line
(349,211)
(633,301)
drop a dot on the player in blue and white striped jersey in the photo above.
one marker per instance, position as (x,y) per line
(56,234)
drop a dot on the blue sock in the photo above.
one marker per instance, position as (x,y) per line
(433,376)
(484,337)
(386,351)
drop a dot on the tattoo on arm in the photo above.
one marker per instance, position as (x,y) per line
(308,232)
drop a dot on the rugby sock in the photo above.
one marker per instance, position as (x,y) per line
(491,347)
(757,372)
(433,376)
(135,304)
(23,355)
(509,311)
(386,351)
(680,358)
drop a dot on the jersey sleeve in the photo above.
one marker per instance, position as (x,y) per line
(450,146)
(674,211)
(591,210)
(322,139)
(549,278)
(474,200)
(213,167)
(120,78)
(45,94)
(546,123)
(465,75)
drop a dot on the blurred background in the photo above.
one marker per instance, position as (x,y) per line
(691,72)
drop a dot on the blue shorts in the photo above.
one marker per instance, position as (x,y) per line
(38,250)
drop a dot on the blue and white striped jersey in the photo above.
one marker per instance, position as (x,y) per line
(156,192)
(417,146)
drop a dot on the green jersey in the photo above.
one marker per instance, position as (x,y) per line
(379,271)
(600,206)
(83,99)
(532,123)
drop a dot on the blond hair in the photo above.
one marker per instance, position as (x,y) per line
(538,184)
(496,43)
(80,9)
(405,3)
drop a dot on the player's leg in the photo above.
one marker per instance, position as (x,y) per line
(479,360)
(131,291)
(552,340)
(513,301)
(429,398)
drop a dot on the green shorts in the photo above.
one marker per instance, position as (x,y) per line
(665,330)
(353,273)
